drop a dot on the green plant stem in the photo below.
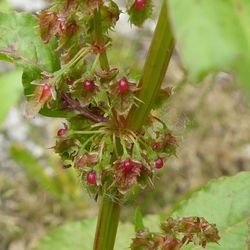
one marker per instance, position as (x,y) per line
(109,214)
(100,40)
(107,224)
(154,71)
(153,75)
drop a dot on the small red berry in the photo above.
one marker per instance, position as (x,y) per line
(91,177)
(159,163)
(69,80)
(123,85)
(61,132)
(128,165)
(140,4)
(155,146)
(89,85)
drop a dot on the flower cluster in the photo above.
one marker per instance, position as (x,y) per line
(117,157)
(176,233)
(96,99)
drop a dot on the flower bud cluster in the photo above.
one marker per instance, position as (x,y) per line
(97,99)
(176,233)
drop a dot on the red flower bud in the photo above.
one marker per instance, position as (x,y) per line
(89,85)
(61,132)
(159,163)
(69,80)
(91,178)
(140,4)
(123,85)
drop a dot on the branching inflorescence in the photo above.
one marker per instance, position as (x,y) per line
(176,233)
(96,140)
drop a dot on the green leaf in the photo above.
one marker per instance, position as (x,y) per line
(11,89)
(225,202)
(71,236)
(138,220)
(212,36)
(80,235)
(21,42)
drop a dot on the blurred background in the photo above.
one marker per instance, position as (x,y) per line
(211,121)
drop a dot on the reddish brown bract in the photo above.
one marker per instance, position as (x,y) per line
(86,159)
(126,174)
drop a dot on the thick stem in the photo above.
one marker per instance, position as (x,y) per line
(107,224)
(154,70)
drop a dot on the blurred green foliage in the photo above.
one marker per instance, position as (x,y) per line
(213,36)
(11,90)
(5,5)
(62,183)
